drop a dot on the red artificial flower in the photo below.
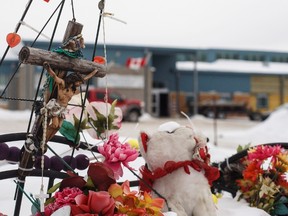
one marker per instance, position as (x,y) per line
(95,203)
(101,175)
(283,181)
(252,171)
(73,181)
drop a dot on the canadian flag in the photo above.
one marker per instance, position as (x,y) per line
(136,63)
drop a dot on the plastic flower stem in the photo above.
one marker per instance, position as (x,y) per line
(34,203)
(64,162)
(89,148)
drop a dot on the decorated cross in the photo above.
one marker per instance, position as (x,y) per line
(57,63)
(65,59)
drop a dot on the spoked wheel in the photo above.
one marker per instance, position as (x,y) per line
(14,140)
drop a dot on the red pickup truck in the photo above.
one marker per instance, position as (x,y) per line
(131,108)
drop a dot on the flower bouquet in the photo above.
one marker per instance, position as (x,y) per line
(98,193)
(264,183)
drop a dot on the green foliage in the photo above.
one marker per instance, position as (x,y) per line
(54,188)
(69,132)
(242,148)
(281,206)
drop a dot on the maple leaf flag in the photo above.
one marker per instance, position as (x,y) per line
(136,63)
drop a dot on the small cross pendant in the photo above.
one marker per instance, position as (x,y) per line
(42,196)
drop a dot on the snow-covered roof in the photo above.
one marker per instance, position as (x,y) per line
(235,66)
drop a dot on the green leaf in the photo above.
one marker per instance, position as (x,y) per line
(69,132)
(49,200)
(281,209)
(54,188)
(242,148)
(89,183)
(76,121)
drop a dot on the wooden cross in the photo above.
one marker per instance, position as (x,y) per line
(34,56)
(59,63)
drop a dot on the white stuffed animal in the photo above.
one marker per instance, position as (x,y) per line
(178,169)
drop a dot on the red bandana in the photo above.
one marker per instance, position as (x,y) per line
(211,173)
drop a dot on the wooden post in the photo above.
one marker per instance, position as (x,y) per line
(73,28)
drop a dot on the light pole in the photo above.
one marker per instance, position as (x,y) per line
(195,84)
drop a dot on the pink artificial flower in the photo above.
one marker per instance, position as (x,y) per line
(105,110)
(67,195)
(116,153)
(62,198)
(262,152)
(96,202)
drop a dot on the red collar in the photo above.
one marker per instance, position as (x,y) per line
(211,173)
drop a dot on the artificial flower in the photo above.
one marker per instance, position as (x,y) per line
(260,153)
(60,199)
(116,154)
(101,175)
(104,118)
(98,203)
(134,143)
(92,199)
(133,203)
(264,182)
(71,125)
(252,171)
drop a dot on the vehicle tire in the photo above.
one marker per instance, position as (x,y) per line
(133,116)
(221,115)
(209,114)
(256,116)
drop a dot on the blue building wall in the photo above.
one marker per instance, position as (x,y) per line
(164,59)
(224,82)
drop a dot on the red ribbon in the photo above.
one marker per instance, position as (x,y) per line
(211,173)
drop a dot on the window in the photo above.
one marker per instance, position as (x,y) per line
(262,101)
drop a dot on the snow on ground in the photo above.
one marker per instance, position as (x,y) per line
(272,129)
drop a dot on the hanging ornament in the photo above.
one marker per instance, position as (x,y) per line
(46,0)
(99,59)
(13,39)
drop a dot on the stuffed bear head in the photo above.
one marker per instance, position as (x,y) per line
(173,142)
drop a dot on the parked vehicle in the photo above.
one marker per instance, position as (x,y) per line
(131,108)
(222,109)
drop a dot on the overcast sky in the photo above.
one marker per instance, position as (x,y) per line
(233,24)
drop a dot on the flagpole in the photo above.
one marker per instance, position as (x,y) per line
(147,83)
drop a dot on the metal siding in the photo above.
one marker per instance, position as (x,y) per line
(224,82)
